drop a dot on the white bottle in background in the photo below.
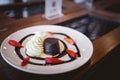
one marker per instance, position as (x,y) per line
(79,1)
(53,9)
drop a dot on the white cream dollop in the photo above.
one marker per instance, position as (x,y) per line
(35,45)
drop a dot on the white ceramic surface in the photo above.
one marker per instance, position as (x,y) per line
(84,44)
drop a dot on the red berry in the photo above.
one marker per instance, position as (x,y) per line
(15,43)
(69,40)
(50,33)
(71,53)
(50,60)
(25,61)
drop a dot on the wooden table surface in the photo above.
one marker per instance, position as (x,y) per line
(102,46)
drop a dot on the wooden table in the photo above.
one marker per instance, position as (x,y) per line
(102,46)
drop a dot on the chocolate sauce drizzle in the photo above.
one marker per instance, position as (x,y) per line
(63,53)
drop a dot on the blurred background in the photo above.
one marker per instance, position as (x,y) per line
(103,16)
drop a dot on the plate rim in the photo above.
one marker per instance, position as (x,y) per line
(29,71)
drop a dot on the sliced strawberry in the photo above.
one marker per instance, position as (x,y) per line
(15,43)
(50,60)
(25,61)
(50,33)
(69,40)
(71,53)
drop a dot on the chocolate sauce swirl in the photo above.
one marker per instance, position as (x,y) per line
(62,54)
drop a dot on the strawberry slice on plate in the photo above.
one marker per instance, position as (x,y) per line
(25,61)
(69,40)
(51,60)
(15,43)
(71,53)
(50,33)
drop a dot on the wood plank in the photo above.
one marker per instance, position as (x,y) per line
(106,15)
(102,46)
(4,22)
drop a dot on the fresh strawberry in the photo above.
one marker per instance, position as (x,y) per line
(69,40)
(51,60)
(50,33)
(15,43)
(25,61)
(71,53)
